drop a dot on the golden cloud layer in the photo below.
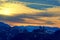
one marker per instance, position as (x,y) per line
(53,10)
(13,10)
(16,8)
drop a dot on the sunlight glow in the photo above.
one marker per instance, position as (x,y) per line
(5,11)
(16,8)
(11,9)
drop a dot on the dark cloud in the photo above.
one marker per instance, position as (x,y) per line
(50,2)
(49,22)
(47,14)
(20,18)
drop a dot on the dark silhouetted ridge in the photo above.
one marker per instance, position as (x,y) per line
(28,32)
(4,26)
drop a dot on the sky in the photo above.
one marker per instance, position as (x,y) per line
(30,12)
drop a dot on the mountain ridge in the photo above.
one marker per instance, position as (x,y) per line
(27,32)
(29,28)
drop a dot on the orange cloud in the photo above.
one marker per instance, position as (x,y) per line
(53,10)
(14,9)
(33,22)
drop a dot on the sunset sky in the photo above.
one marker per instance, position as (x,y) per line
(30,12)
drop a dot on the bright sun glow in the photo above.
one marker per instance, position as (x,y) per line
(15,8)
(5,11)
(9,9)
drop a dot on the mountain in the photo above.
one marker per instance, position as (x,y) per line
(4,27)
(27,32)
(49,30)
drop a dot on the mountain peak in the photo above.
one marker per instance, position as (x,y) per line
(2,23)
(4,26)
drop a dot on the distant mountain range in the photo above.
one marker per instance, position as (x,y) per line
(4,26)
(27,32)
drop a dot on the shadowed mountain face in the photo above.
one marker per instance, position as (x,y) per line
(28,32)
(4,27)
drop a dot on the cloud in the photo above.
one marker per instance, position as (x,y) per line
(26,19)
(21,18)
(29,16)
(3,0)
(53,10)
(28,3)
(16,8)
(50,22)
(51,2)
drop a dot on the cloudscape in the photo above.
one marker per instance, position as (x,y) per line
(30,12)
